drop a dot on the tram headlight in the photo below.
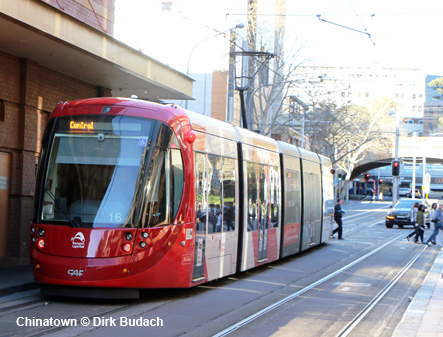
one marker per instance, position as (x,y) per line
(41,243)
(129,236)
(126,247)
(41,232)
(145,235)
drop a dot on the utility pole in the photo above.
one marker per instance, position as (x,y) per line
(414,161)
(395,180)
(231,76)
(250,64)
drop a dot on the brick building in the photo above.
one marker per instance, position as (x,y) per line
(52,51)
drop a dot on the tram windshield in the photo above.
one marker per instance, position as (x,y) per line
(95,167)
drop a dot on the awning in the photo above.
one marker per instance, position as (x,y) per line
(36,31)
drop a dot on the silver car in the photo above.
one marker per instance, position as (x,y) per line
(403,191)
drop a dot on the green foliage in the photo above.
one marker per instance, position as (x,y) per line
(437,84)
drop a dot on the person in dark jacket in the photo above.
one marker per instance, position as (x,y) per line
(338,213)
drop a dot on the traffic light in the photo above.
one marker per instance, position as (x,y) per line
(380,181)
(395,168)
(339,177)
(367,175)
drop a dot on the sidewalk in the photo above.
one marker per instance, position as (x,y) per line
(16,279)
(424,316)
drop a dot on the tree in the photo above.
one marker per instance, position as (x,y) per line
(266,103)
(437,84)
(347,133)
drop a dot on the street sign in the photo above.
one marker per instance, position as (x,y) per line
(427,183)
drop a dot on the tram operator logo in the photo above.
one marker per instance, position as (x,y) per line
(78,241)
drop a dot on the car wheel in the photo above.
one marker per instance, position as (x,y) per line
(388,225)
(400,226)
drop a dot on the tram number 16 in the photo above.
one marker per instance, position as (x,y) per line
(115,217)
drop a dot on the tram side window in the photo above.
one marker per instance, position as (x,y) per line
(229,194)
(252,184)
(165,187)
(292,197)
(264,197)
(177,180)
(275,196)
(201,189)
(215,214)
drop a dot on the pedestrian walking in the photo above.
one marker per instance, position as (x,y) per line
(438,224)
(413,216)
(420,224)
(432,216)
(432,213)
(338,213)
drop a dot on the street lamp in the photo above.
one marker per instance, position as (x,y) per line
(238,26)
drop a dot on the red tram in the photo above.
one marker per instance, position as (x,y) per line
(132,194)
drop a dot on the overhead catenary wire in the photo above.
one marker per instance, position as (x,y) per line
(339,15)
(346,27)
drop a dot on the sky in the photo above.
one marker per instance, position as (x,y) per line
(390,33)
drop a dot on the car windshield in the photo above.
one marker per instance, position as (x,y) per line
(405,204)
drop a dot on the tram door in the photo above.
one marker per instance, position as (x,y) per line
(258,207)
(5,161)
(201,218)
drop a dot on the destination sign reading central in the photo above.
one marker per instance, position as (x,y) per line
(81,125)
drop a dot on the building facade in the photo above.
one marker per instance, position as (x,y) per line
(433,109)
(52,51)
(360,85)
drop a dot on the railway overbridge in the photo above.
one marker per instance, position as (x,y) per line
(424,149)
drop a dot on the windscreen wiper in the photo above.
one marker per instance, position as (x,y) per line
(74,222)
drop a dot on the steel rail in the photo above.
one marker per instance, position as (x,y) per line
(362,314)
(296,294)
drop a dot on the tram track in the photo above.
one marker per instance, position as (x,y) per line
(354,322)
(296,294)
(367,309)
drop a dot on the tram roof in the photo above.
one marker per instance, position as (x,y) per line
(309,156)
(289,149)
(211,126)
(255,139)
(325,161)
